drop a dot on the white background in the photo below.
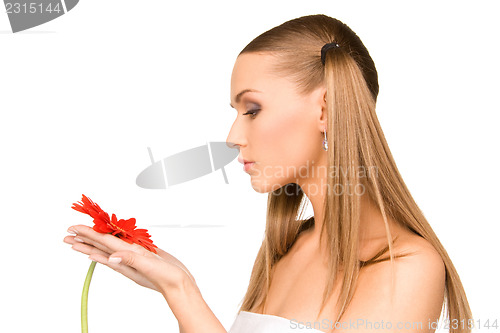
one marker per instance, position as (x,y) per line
(83,96)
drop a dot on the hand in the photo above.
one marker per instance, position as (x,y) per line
(160,272)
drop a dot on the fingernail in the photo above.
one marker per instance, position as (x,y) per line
(114,260)
(72,231)
(78,239)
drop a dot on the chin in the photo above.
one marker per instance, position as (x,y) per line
(267,185)
(259,187)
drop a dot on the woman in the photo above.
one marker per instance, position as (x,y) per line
(305,94)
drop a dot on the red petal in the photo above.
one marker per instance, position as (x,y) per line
(79,207)
(102,228)
(128,225)
(123,229)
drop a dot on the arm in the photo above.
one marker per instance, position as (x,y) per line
(191,310)
(161,272)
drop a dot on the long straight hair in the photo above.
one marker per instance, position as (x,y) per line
(357,142)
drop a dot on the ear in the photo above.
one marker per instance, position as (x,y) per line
(319,96)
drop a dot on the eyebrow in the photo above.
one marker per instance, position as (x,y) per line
(238,97)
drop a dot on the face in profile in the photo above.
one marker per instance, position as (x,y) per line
(275,127)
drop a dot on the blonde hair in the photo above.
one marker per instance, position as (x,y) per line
(356,140)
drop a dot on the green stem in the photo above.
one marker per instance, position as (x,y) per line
(85,296)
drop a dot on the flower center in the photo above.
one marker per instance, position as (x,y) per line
(116,227)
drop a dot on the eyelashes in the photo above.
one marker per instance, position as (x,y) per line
(252,113)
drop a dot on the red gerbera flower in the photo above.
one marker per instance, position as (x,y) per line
(124,229)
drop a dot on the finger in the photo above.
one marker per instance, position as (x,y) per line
(71,240)
(133,259)
(90,236)
(144,263)
(84,240)
(105,242)
(100,258)
(150,265)
(89,250)
(125,270)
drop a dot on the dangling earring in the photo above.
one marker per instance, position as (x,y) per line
(325,142)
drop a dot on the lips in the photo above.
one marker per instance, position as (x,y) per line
(247,166)
(243,161)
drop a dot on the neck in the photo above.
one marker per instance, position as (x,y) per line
(372,229)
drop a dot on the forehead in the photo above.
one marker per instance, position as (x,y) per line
(252,71)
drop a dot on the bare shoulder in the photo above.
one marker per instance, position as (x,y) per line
(421,273)
(419,257)
(424,255)
(410,302)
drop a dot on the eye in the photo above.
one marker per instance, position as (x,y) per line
(252,113)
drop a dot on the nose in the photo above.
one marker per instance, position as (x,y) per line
(232,144)
(235,137)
